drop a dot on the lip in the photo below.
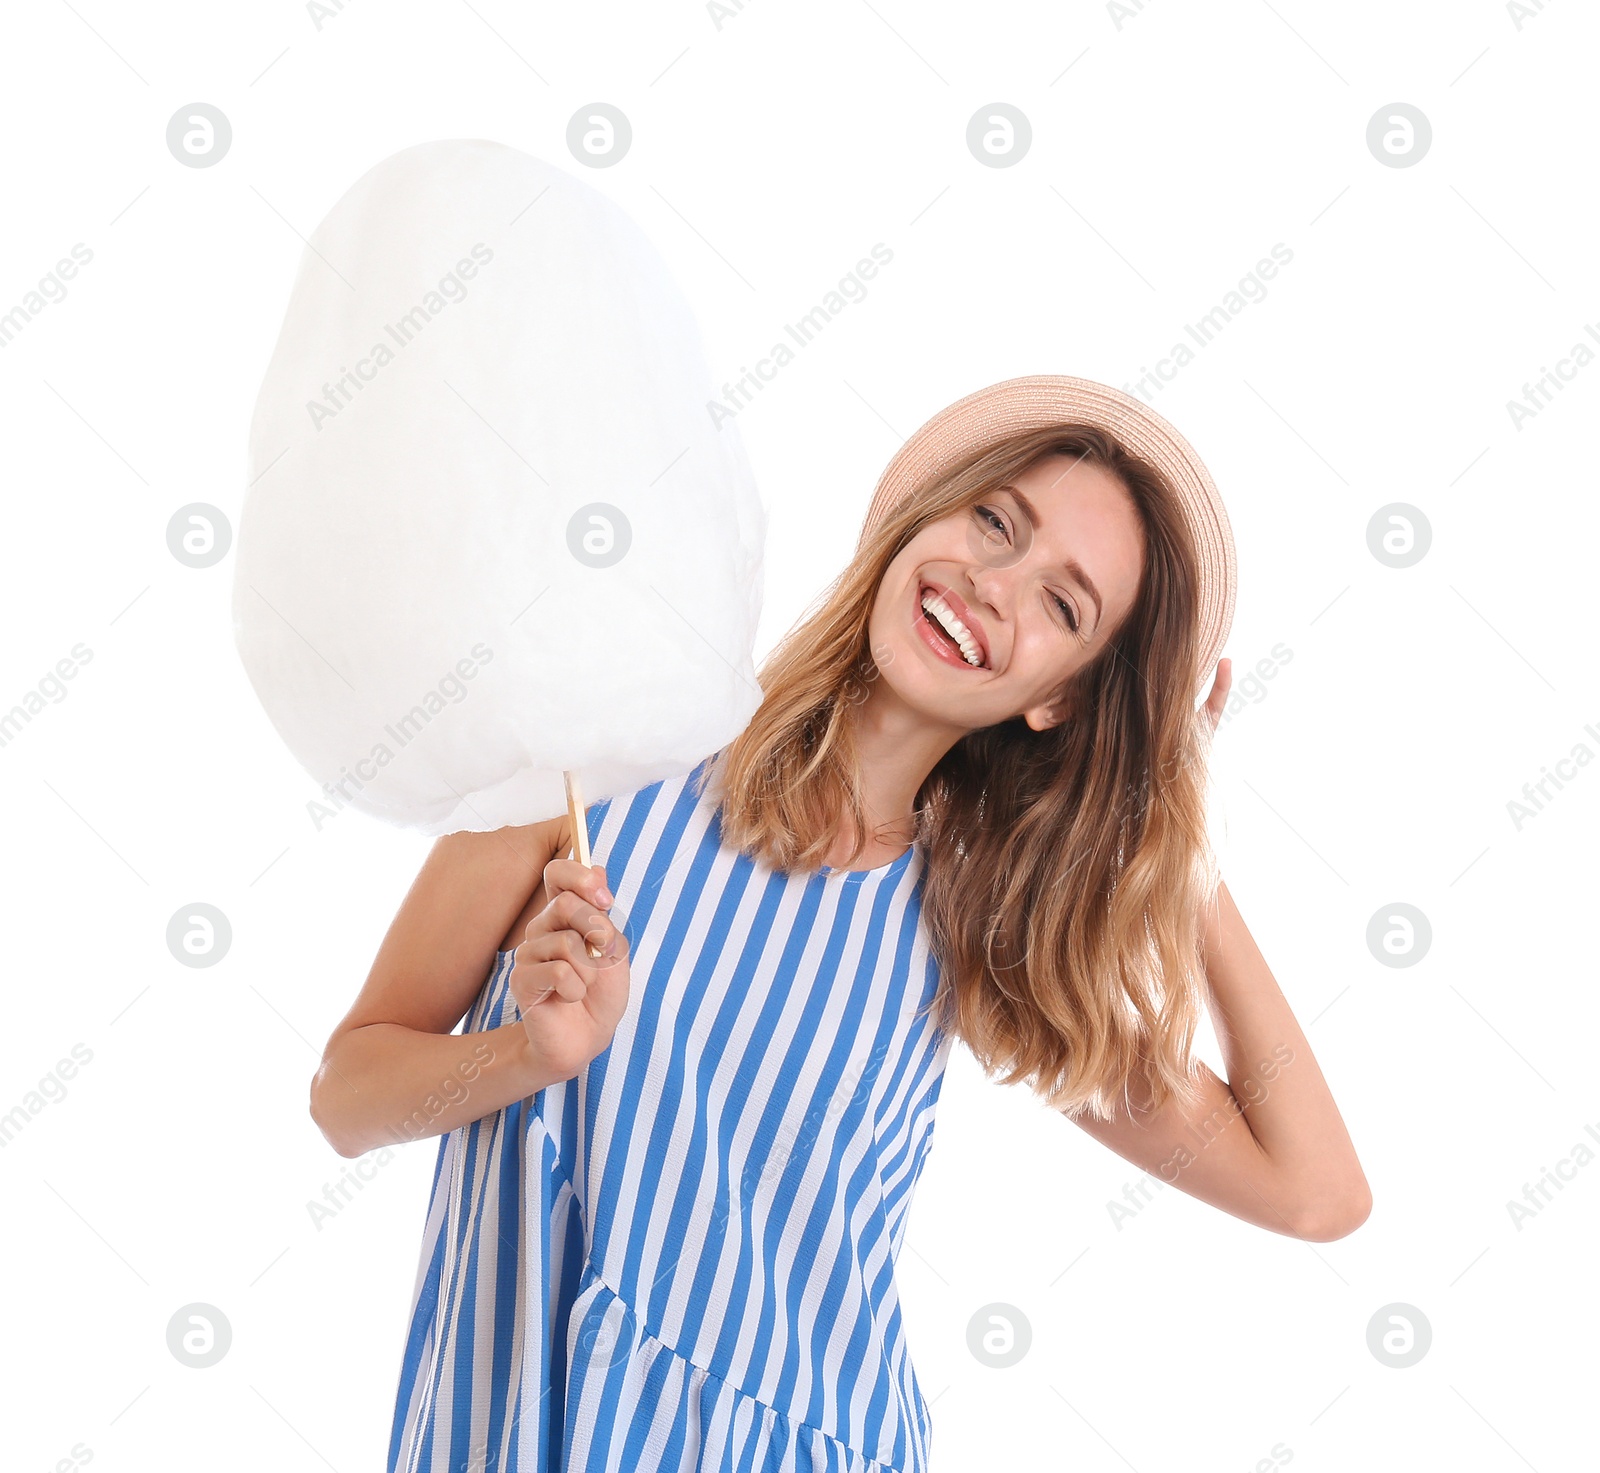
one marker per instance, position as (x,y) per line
(963,613)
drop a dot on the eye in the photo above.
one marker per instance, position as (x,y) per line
(1067,610)
(993,518)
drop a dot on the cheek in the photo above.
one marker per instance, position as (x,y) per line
(881,622)
(1046,654)
(889,630)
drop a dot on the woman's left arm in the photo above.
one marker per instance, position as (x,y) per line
(1269,1145)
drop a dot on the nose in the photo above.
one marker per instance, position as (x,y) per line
(985,583)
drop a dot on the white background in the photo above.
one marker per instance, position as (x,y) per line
(770,152)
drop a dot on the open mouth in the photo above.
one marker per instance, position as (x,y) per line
(941,629)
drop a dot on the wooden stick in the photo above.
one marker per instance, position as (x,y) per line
(575,812)
(578,816)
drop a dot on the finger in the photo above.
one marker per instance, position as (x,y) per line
(572,911)
(558,946)
(615,950)
(527,984)
(549,968)
(529,989)
(574,950)
(567,908)
(1219,691)
(567,875)
(605,938)
(565,980)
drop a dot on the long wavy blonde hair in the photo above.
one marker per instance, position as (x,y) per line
(1066,870)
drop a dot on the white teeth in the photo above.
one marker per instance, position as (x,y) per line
(957,631)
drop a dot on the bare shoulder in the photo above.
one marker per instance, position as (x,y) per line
(511,851)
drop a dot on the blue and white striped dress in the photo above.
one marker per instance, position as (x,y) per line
(684,1257)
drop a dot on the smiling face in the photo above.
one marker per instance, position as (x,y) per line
(986,612)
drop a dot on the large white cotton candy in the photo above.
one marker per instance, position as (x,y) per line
(478,348)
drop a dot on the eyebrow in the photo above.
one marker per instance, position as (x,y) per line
(1073,570)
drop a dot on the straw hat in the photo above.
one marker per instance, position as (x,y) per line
(983,419)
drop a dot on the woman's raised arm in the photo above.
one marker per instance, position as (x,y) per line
(393,1071)
(1269,1145)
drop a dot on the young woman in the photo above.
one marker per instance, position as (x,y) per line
(688,1109)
